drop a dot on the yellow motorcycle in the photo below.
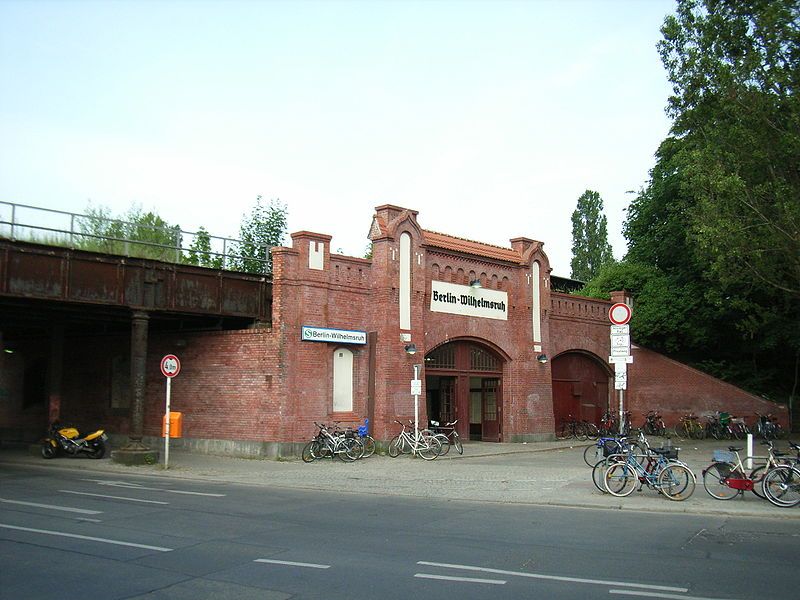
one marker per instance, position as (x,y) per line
(68,441)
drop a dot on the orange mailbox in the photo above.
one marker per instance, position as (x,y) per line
(175,425)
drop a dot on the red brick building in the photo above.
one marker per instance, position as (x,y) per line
(493,344)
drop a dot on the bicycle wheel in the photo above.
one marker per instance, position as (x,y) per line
(592,454)
(457,443)
(781,486)
(714,481)
(580,432)
(565,432)
(309,454)
(592,432)
(350,449)
(369,446)
(757,475)
(681,431)
(599,470)
(394,446)
(676,482)
(429,448)
(444,441)
(620,479)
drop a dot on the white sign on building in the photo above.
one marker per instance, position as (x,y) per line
(469,301)
(339,336)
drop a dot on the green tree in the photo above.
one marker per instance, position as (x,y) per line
(264,228)
(718,221)
(590,247)
(137,233)
(200,252)
(735,70)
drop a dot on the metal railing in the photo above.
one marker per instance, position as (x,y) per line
(20,222)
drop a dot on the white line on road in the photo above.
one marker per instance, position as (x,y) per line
(465,579)
(291,564)
(85,537)
(136,486)
(555,577)
(82,511)
(113,497)
(657,595)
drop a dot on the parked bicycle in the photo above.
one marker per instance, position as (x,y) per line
(572,428)
(654,424)
(427,447)
(330,442)
(689,427)
(767,427)
(448,430)
(726,477)
(608,445)
(608,425)
(661,470)
(366,439)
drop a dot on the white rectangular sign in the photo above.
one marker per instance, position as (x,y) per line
(620,330)
(620,380)
(339,336)
(416,387)
(468,301)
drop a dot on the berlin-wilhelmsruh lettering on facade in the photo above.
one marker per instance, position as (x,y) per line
(464,300)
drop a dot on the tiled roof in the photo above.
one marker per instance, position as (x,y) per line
(448,242)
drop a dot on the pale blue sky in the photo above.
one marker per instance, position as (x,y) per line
(489,118)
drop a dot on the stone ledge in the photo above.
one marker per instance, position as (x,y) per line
(135,457)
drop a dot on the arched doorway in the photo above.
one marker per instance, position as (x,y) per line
(464,381)
(580,387)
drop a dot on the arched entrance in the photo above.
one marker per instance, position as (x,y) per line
(464,381)
(580,387)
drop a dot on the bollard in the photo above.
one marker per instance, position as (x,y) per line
(749,451)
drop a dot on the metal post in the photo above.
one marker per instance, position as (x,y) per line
(621,413)
(167,426)
(749,464)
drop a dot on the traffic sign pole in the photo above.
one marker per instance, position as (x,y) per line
(166,438)
(170,367)
(620,314)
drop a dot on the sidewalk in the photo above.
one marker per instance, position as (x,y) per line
(542,473)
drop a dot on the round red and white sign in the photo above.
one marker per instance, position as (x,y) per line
(619,314)
(170,365)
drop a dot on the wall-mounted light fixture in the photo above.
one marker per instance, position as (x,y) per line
(411,349)
(542,358)
(475,284)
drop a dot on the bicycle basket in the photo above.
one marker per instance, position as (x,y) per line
(611,447)
(362,431)
(724,418)
(724,456)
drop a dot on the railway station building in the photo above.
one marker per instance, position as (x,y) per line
(489,332)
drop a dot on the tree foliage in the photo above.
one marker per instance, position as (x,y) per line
(590,247)
(137,233)
(264,228)
(200,252)
(714,237)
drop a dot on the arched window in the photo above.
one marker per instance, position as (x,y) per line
(342,380)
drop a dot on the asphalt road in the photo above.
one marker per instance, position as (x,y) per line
(72,533)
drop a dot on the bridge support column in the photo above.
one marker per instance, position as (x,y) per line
(54,373)
(135,452)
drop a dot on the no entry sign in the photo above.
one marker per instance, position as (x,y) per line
(619,314)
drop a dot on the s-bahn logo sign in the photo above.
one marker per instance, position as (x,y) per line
(468,301)
(339,336)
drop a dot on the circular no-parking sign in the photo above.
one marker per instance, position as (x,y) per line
(170,365)
(619,314)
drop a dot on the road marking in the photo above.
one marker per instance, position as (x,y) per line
(113,497)
(136,486)
(86,537)
(657,595)
(465,579)
(291,563)
(555,577)
(82,511)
